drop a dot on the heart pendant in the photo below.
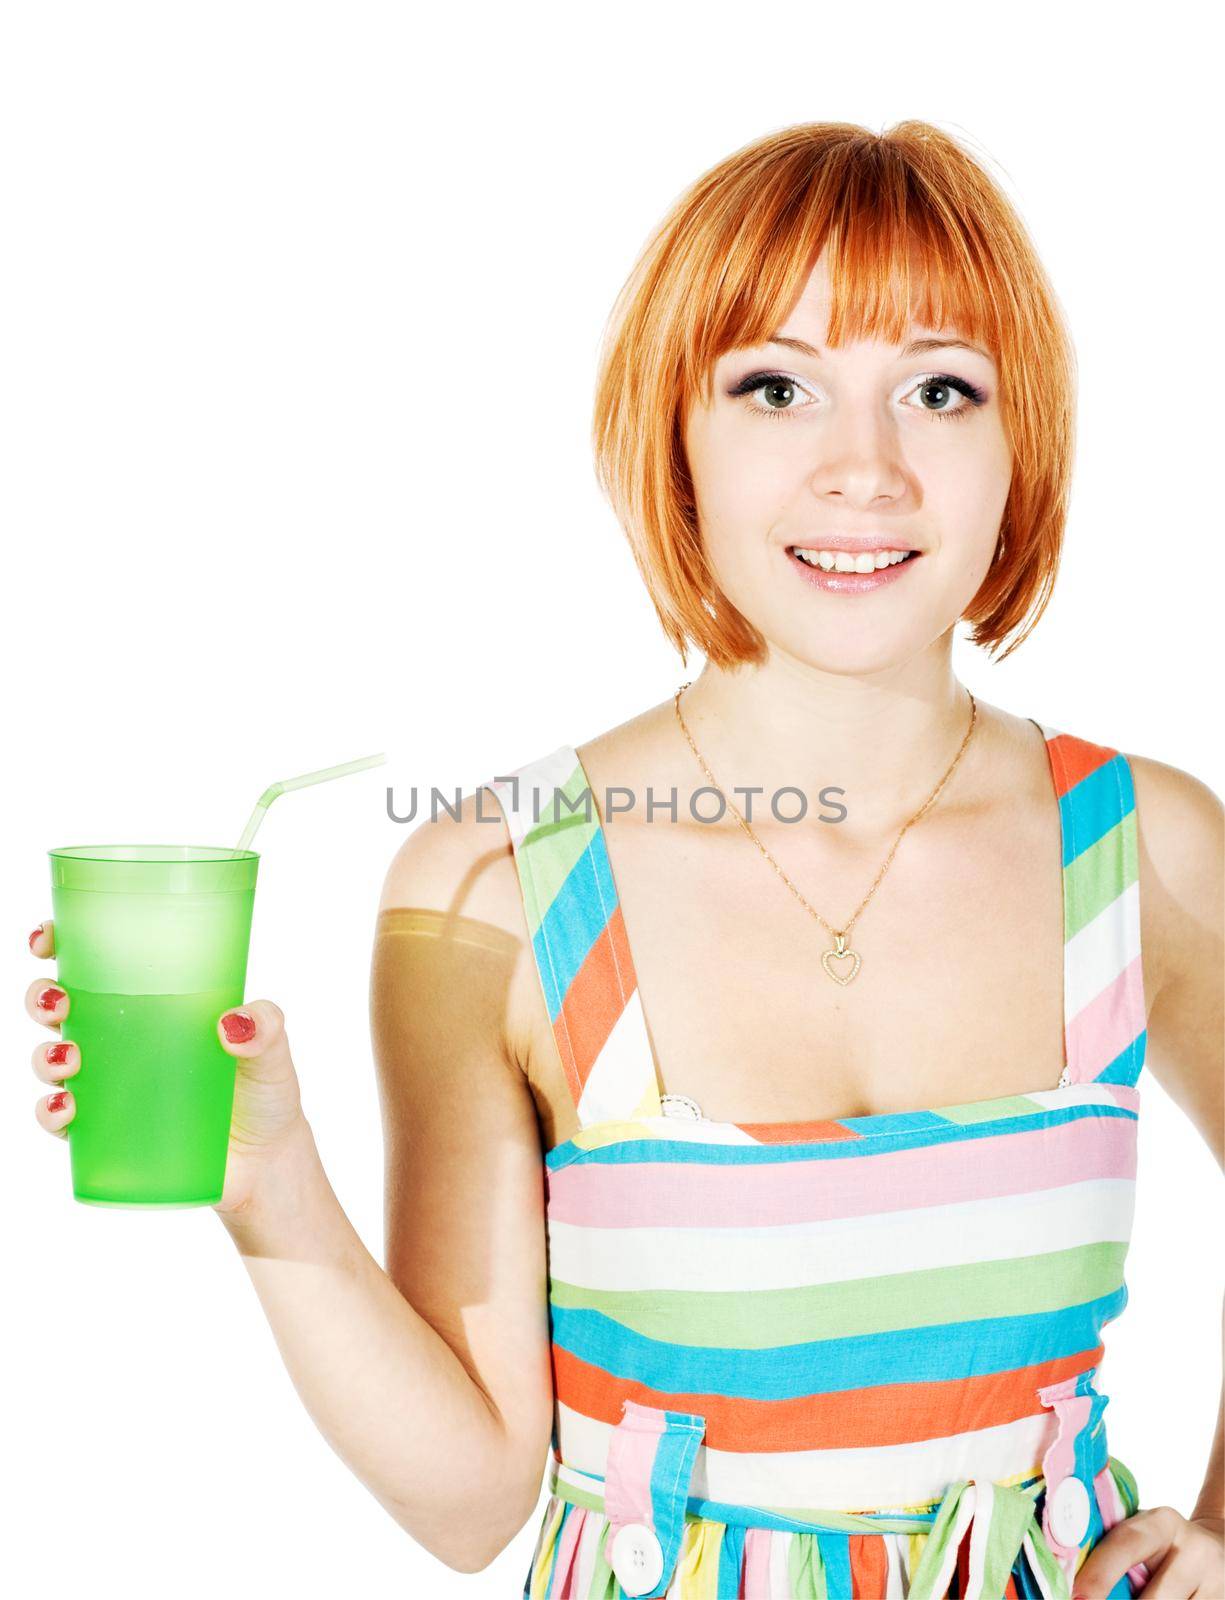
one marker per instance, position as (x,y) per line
(840,953)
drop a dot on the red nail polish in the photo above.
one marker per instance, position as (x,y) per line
(238,1027)
(57,1102)
(48,999)
(57,1054)
(36,935)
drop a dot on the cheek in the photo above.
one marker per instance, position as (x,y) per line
(742,485)
(968,489)
(728,477)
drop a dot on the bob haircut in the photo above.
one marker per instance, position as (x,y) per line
(917,231)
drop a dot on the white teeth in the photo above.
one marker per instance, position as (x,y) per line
(844,561)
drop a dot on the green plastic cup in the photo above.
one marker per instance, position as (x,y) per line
(151,946)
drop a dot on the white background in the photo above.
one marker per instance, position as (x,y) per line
(301,306)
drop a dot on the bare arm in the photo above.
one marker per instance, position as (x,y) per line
(1181,828)
(431,1379)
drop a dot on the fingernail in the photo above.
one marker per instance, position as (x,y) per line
(238,1027)
(48,999)
(57,1102)
(57,1054)
(36,935)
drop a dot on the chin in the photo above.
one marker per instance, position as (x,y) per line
(851,650)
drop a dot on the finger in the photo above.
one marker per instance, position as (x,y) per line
(1146,1537)
(56,1061)
(255,1033)
(47,1003)
(1165,1577)
(55,1111)
(42,940)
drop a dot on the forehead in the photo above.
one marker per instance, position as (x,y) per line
(809,317)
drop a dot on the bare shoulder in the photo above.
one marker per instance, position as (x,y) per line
(461,863)
(454,880)
(1174,798)
(1180,824)
(1179,816)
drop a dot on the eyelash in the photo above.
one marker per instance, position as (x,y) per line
(758,380)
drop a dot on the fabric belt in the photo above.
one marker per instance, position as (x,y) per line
(646,1498)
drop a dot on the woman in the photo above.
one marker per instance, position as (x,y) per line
(838,1123)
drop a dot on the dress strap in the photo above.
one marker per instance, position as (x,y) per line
(578,937)
(1103,984)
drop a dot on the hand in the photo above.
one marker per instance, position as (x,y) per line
(267,1120)
(1185,1557)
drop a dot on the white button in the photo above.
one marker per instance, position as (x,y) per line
(1069,1509)
(637,1558)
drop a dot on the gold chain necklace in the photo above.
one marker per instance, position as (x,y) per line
(841,951)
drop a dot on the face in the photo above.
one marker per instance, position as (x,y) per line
(866,449)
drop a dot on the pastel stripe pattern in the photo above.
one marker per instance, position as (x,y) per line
(832,1360)
(578,937)
(1101,887)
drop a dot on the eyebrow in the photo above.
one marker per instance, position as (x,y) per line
(916,347)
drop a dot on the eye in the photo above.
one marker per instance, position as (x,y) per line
(940,388)
(779,390)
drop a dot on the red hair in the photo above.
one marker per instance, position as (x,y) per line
(916,231)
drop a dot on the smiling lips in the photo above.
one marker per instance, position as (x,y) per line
(850,566)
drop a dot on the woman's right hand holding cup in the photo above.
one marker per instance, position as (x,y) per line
(267,1116)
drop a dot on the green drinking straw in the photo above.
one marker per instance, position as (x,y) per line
(322,776)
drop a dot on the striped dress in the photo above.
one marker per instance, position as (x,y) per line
(832,1360)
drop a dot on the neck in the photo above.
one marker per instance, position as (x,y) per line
(886,739)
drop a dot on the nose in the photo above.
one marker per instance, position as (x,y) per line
(858,461)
